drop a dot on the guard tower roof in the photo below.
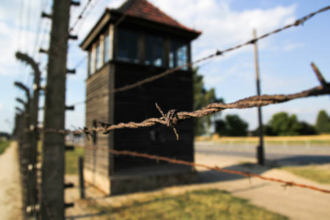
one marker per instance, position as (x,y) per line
(141,12)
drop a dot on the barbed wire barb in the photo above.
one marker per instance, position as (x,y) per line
(168,118)
(173,117)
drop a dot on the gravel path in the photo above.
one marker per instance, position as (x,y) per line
(10,190)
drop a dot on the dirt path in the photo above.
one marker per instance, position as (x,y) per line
(10,190)
(293,202)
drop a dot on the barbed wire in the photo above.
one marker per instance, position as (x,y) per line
(43,5)
(215,168)
(80,16)
(80,62)
(28,24)
(173,117)
(88,12)
(216,54)
(19,22)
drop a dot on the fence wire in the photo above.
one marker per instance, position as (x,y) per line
(174,117)
(215,168)
(216,54)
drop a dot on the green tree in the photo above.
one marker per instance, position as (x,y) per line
(306,129)
(322,122)
(202,97)
(267,130)
(282,124)
(233,125)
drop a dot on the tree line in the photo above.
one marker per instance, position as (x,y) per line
(281,124)
(284,124)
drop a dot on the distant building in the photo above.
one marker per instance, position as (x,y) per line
(126,45)
(4,136)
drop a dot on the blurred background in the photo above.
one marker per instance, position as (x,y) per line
(102,182)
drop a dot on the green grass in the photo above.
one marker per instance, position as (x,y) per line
(319,174)
(71,160)
(278,142)
(3,146)
(195,205)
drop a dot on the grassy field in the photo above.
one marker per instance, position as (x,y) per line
(71,159)
(317,173)
(290,140)
(195,205)
(3,146)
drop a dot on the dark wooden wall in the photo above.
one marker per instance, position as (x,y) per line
(98,109)
(138,104)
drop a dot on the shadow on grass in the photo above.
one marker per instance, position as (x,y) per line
(100,211)
(193,205)
(303,160)
(210,176)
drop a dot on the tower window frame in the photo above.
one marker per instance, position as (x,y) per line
(128,45)
(178,54)
(154,50)
(98,56)
(107,47)
(91,62)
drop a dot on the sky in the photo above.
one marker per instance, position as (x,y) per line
(284,59)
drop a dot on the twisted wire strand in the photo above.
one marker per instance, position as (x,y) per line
(173,117)
(216,54)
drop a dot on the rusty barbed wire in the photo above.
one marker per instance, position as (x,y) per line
(216,54)
(215,168)
(173,117)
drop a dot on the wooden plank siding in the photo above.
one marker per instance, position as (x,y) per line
(97,161)
(173,91)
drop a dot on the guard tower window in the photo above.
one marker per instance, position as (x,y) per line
(178,54)
(154,47)
(91,62)
(127,46)
(98,57)
(106,48)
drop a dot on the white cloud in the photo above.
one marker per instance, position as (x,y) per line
(238,72)
(224,27)
(20,33)
(1,106)
(115,3)
(9,46)
(221,26)
(292,46)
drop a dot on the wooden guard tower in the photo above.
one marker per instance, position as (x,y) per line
(129,44)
